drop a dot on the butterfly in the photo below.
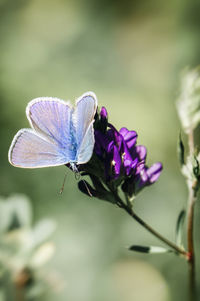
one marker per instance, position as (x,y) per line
(60,134)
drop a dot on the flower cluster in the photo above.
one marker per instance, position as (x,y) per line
(124,162)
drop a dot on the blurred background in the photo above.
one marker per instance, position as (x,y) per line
(131,54)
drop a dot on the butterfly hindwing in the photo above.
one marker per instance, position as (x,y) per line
(51,117)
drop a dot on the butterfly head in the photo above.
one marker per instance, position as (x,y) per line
(74,168)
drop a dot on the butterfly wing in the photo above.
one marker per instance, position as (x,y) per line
(83,118)
(50,141)
(29,150)
(59,135)
(86,148)
(51,117)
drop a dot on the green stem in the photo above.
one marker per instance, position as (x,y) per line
(130,211)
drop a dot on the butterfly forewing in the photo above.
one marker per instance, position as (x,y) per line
(86,148)
(51,117)
(83,121)
(29,150)
(84,114)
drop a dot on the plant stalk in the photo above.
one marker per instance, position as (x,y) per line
(190,226)
(130,211)
(191,253)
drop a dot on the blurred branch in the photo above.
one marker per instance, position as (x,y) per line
(190,227)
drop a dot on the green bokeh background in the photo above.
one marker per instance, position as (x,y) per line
(131,54)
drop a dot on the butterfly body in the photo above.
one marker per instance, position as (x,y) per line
(60,134)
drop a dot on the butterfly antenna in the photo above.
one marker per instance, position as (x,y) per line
(63,185)
(78,176)
(88,190)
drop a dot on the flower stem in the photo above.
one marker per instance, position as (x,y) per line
(191,142)
(190,226)
(130,211)
(191,257)
(158,235)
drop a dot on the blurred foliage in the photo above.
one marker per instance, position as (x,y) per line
(188,104)
(130,53)
(24,249)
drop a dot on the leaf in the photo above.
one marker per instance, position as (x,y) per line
(42,231)
(181,151)
(42,255)
(196,167)
(5,215)
(179,227)
(20,206)
(15,212)
(149,250)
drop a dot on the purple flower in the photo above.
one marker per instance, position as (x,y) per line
(103,113)
(108,152)
(122,159)
(130,137)
(145,176)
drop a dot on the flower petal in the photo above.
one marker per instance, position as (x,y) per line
(103,113)
(129,162)
(141,151)
(130,137)
(154,172)
(116,160)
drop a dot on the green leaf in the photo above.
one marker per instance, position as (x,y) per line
(181,151)
(20,207)
(42,231)
(15,212)
(150,249)
(179,227)
(196,167)
(42,255)
(5,215)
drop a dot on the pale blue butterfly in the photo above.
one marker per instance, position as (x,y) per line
(60,134)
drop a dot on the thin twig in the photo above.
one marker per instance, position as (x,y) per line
(129,210)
